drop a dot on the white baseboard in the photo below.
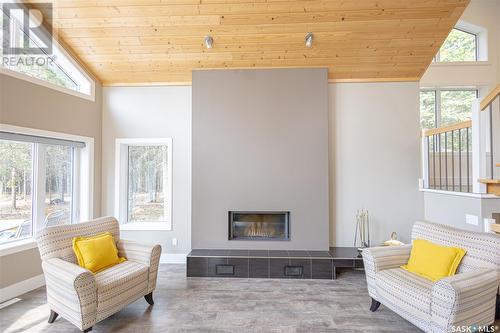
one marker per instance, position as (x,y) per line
(173,258)
(35,282)
(22,287)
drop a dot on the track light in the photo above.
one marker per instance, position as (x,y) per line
(309,39)
(209,42)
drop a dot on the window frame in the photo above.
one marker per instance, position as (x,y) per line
(62,55)
(437,100)
(83,173)
(121,183)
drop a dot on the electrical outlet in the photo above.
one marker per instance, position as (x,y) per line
(174,241)
(471,219)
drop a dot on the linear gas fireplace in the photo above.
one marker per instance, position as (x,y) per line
(259,225)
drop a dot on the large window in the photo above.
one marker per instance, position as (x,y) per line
(144,183)
(40,183)
(57,69)
(460,45)
(442,107)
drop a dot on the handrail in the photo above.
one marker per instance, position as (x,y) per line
(444,129)
(490,98)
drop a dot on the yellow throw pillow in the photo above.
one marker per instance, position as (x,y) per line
(97,252)
(433,261)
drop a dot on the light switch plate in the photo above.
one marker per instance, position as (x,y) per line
(471,219)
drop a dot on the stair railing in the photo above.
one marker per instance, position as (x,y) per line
(447,157)
(461,157)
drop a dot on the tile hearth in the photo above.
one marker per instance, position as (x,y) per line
(280,264)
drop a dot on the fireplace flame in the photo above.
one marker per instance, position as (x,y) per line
(260,229)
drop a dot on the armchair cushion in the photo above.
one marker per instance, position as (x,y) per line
(120,285)
(433,261)
(405,293)
(148,255)
(96,253)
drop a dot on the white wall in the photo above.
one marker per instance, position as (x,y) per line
(151,112)
(374,141)
(452,209)
(374,159)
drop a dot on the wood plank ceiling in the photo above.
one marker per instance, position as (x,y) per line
(135,42)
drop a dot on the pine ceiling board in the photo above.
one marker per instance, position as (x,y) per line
(161,41)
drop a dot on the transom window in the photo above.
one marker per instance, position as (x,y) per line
(57,70)
(40,181)
(460,45)
(144,183)
(446,106)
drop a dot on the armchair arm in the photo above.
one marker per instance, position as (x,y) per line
(464,299)
(380,258)
(71,292)
(145,254)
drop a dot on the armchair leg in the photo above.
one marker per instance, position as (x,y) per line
(375,305)
(52,317)
(497,309)
(87,330)
(149,298)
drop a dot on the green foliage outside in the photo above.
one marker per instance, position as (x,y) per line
(147,169)
(428,109)
(458,46)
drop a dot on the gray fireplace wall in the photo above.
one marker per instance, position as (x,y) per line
(260,142)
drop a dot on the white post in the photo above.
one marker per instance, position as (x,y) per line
(425,161)
(478,149)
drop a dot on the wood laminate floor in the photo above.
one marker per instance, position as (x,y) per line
(228,305)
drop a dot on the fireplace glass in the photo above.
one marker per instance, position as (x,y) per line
(259,225)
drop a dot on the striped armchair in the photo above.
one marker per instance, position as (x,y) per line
(84,298)
(463,300)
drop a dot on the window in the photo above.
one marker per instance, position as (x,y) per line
(56,70)
(41,181)
(460,45)
(144,183)
(442,107)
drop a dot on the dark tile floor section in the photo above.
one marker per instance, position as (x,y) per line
(210,305)
(276,264)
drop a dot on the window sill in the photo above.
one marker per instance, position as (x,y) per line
(460,63)
(144,226)
(461,194)
(17,246)
(21,76)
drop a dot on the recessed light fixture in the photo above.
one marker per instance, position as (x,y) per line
(309,39)
(209,42)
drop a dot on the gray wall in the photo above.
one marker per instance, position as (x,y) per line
(374,159)
(151,112)
(451,209)
(260,142)
(29,105)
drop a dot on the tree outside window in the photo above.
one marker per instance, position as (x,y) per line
(458,46)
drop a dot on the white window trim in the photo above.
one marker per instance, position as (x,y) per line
(57,48)
(481,35)
(121,175)
(50,85)
(85,193)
